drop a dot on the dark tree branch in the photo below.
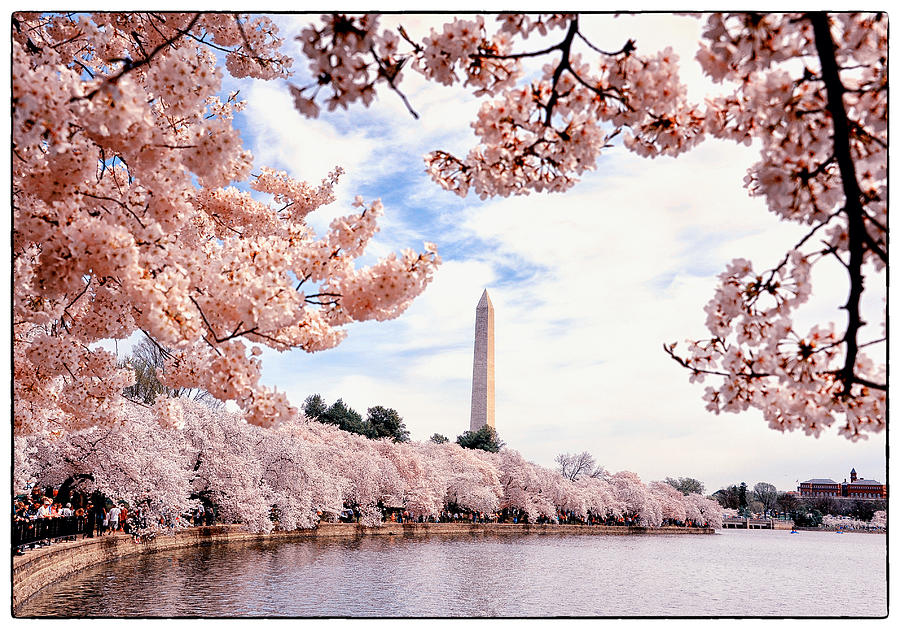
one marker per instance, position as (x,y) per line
(162,350)
(212,332)
(390,75)
(670,350)
(856,229)
(123,205)
(799,244)
(627,48)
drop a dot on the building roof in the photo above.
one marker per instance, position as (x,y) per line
(865,482)
(820,481)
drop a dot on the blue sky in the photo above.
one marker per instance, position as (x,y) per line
(586,285)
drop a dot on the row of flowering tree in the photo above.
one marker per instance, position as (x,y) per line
(303,471)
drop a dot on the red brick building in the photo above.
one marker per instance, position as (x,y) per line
(855,489)
(820,488)
(864,488)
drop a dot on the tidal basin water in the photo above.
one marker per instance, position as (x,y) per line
(732,573)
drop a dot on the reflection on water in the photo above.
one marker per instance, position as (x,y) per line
(734,573)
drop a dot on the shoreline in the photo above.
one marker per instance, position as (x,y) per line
(832,530)
(38,568)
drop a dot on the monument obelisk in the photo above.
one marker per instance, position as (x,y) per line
(483,365)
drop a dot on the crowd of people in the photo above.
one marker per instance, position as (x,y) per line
(40,517)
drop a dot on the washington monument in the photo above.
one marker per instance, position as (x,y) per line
(483,365)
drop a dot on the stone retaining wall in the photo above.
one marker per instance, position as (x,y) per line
(38,568)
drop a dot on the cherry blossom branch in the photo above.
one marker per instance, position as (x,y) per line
(77,297)
(234,335)
(874,221)
(521,55)
(218,220)
(322,303)
(130,65)
(275,340)
(302,280)
(122,204)
(85,68)
(166,353)
(799,244)
(873,342)
(390,75)
(136,402)
(416,47)
(855,379)
(626,49)
(872,245)
(261,60)
(205,321)
(670,350)
(564,47)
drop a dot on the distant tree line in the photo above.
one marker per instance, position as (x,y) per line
(574,466)
(764,498)
(380,422)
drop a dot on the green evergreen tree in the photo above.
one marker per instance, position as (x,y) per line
(383,422)
(344,417)
(485,439)
(314,406)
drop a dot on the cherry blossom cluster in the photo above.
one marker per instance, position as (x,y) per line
(782,101)
(304,472)
(535,135)
(835,522)
(464,45)
(349,56)
(338,58)
(524,24)
(768,365)
(811,90)
(130,216)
